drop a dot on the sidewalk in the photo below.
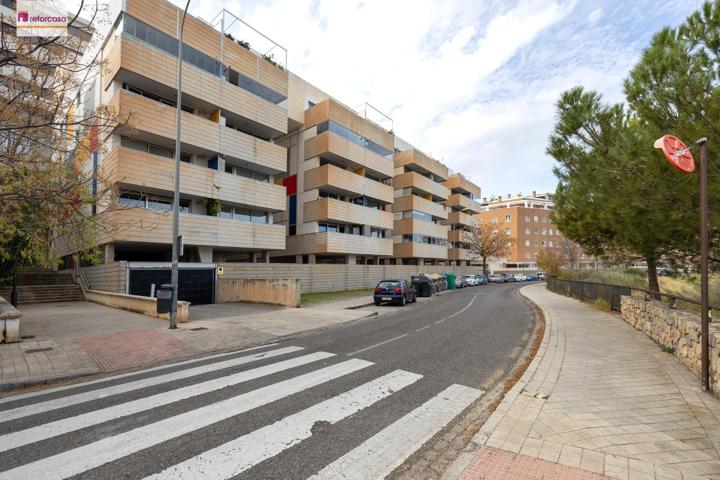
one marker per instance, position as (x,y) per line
(72,339)
(600,400)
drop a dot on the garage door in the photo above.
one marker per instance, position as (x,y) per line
(196,286)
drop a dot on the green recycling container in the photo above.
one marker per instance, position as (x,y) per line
(450,280)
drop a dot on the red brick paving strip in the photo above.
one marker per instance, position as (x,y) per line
(128,349)
(494,464)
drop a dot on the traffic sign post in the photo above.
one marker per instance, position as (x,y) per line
(680,157)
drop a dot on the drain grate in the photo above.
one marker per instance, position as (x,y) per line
(36,350)
(198,328)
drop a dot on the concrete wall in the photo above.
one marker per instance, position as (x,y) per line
(134,303)
(332,278)
(9,322)
(285,291)
(678,329)
(108,277)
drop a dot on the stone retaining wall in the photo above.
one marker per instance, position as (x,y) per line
(9,322)
(678,329)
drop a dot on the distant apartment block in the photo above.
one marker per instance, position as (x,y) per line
(419,233)
(526,220)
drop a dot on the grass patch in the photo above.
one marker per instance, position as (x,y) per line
(318,298)
(667,349)
(601,304)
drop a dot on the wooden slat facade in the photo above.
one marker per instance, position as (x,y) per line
(456,200)
(458,183)
(419,182)
(339,148)
(413,202)
(338,243)
(346,212)
(412,159)
(347,182)
(409,225)
(420,250)
(333,110)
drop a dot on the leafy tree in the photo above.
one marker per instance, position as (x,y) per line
(550,261)
(487,243)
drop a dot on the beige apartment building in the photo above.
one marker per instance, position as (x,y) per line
(526,220)
(420,232)
(234,107)
(463,205)
(338,182)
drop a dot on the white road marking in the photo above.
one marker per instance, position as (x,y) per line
(66,425)
(423,328)
(236,456)
(462,310)
(45,391)
(78,460)
(377,344)
(440,321)
(385,451)
(44,407)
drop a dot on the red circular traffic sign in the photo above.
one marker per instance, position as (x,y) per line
(676,153)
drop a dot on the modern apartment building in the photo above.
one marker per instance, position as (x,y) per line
(463,205)
(526,220)
(338,183)
(234,107)
(420,232)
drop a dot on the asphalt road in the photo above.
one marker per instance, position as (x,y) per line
(352,401)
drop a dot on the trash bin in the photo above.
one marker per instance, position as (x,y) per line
(450,280)
(164,298)
(423,285)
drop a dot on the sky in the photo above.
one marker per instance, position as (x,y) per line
(472,83)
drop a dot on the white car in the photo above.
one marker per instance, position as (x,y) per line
(519,277)
(472,280)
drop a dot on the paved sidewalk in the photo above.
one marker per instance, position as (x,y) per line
(600,398)
(71,339)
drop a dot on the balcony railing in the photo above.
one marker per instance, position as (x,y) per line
(336,179)
(333,147)
(347,213)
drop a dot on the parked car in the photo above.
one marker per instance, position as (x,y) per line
(541,275)
(472,280)
(509,278)
(533,277)
(481,279)
(519,277)
(460,282)
(394,291)
(496,279)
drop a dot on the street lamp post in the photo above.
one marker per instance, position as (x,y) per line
(176,193)
(680,157)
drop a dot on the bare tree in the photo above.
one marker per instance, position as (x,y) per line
(571,252)
(48,186)
(487,243)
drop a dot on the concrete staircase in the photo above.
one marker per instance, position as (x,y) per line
(40,285)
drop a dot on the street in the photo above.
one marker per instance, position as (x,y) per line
(351,401)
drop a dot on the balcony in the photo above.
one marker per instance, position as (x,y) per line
(157,118)
(148,226)
(415,160)
(413,202)
(130,57)
(409,225)
(139,169)
(457,183)
(457,200)
(422,184)
(460,254)
(338,149)
(338,243)
(200,35)
(347,213)
(420,250)
(337,112)
(330,177)
(460,218)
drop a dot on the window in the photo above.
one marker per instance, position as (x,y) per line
(243,214)
(494,220)
(507,218)
(527,243)
(535,231)
(550,244)
(152,202)
(153,149)
(336,128)
(527,218)
(550,232)
(527,231)
(535,218)
(542,243)
(544,218)
(414,214)
(536,243)
(259,217)
(247,173)
(157,98)
(507,231)
(544,231)
(292,230)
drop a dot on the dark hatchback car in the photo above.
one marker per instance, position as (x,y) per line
(394,291)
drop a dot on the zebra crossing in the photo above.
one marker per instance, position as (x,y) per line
(84,428)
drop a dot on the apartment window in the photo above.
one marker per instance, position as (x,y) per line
(494,220)
(507,231)
(324,227)
(544,231)
(377,233)
(550,244)
(153,149)
(247,83)
(507,218)
(550,232)
(535,231)
(326,194)
(336,128)
(292,230)
(544,218)
(536,243)
(151,202)
(243,214)
(247,173)
(542,243)
(535,218)
(527,243)
(527,231)
(527,218)
(414,214)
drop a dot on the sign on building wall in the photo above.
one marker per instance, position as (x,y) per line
(41,18)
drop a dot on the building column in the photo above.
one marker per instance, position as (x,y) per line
(420,262)
(311,258)
(206,254)
(109,252)
(350,259)
(298,259)
(267,257)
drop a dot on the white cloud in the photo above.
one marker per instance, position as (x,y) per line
(595,15)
